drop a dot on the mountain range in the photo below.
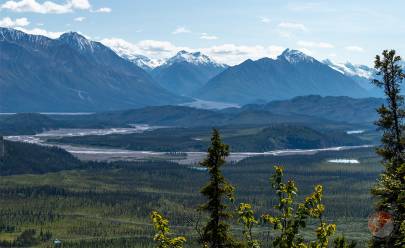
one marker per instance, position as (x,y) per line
(71,73)
(186,72)
(292,74)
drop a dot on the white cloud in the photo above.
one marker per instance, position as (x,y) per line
(315,44)
(9,23)
(306,51)
(234,54)
(46,7)
(227,53)
(181,30)
(354,49)
(103,10)
(264,19)
(159,48)
(79,19)
(80,4)
(292,25)
(39,31)
(121,46)
(150,48)
(205,36)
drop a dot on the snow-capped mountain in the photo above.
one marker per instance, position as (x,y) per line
(70,73)
(131,53)
(295,56)
(292,74)
(185,72)
(182,74)
(351,69)
(144,62)
(361,74)
(196,58)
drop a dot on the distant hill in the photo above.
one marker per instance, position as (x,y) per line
(26,123)
(344,109)
(291,74)
(23,158)
(241,139)
(181,116)
(310,110)
(186,72)
(70,74)
(288,136)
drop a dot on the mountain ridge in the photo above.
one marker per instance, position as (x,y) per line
(292,74)
(71,73)
(185,72)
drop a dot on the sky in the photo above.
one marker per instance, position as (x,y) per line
(230,31)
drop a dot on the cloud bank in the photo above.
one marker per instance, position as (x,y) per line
(50,7)
(230,54)
(10,23)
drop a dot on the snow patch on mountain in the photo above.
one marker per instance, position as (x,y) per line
(195,58)
(132,53)
(295,56)
(13,35)
(143,61)
(350,69)
(78,41)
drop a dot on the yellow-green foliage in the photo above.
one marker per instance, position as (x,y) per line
(247,218)
(161,225)
(291,218)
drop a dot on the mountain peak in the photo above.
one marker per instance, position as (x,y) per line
(72,36)
(142,61)
(77,40)
(295,56)
(182,52)
(196,58)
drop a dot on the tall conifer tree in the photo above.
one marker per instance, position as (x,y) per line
(216,233)
(390,189)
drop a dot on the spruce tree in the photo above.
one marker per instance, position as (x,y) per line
(216,233)
(390,188)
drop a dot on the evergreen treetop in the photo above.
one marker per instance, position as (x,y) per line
(390,188)
(216,232)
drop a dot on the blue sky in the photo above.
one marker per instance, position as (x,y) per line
(228,30)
